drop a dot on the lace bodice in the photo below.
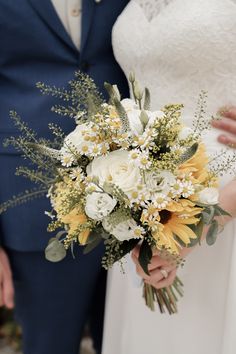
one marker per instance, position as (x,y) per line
(178,48)
(152,8)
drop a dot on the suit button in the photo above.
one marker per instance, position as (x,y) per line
(84,65)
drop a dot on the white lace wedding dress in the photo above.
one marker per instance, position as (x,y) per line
(178,48)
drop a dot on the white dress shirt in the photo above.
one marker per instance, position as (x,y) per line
(69,12)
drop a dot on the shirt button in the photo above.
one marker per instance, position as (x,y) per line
(75,12)
(84,65)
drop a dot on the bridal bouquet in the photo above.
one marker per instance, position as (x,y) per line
(126,175)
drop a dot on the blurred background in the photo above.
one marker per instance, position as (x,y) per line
(10,335)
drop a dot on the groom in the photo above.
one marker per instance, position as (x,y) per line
(48,40)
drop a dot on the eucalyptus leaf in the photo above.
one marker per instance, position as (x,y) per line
(145,256)
(221,212)
(92,245)
(212,233)
(190,152)
(55,251)
(60,234)
(208,215)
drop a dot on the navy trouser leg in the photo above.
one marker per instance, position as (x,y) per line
(53,300)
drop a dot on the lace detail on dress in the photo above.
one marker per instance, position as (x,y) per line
(152,8)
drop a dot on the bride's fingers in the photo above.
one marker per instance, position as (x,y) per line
(229,112)
(136,251)
(156,262)
(227,140)
(162,282)
(226,123)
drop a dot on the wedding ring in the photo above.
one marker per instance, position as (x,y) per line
(164,273)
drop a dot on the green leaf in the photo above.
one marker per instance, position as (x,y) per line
(190,152)
(126,247)
(109,90)
(147,99)
(198,230)
(208,215)
(122,114)
(221,212)
(55,251)
(212,233)
(92,245)
(145,255)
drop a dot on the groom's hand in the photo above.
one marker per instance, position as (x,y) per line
(228,124)
(6,283)
(162,272)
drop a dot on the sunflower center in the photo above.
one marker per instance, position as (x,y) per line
(165,216)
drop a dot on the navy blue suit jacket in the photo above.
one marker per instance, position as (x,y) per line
(34,46)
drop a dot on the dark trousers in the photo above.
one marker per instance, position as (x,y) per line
(54,301)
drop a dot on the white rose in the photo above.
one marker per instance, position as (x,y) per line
(75,139)
(209,196)
(185,132)
(153,117)
(159,181)
(99,205)
(123,231)
(116,169)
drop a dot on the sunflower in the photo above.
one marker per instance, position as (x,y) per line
(174,222)
(196,165)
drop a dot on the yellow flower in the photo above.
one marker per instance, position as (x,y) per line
(174,221)
(197,165)
(74,220)
(83,236)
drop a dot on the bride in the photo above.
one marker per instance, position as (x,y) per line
(178,48)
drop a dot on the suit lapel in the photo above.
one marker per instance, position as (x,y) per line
(46,11)
(88,7)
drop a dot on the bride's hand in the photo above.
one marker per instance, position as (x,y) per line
(228,124)
(162,272)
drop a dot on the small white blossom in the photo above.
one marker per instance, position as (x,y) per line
(125,230)
(188,189)
(77,173)
(176,189)
(67,158)
(161,200)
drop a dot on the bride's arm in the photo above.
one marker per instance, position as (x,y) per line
(156,279)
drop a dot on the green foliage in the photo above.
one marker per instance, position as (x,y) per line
(55,251)
(82,92)
(212,233)
(201,121)
(22,198)
(145,256)
(147,99)
(189,152)
(115,250)
(122,114)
